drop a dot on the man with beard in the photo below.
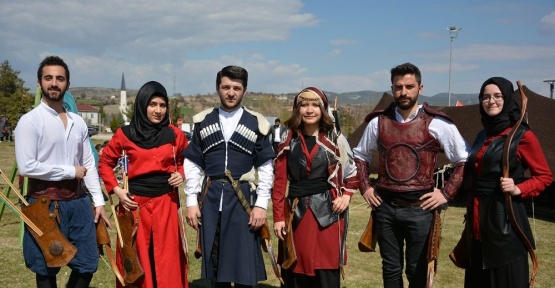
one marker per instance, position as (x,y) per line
(408,137)
(54,152)
(232,138)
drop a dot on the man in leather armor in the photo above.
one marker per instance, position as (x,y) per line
(408,138)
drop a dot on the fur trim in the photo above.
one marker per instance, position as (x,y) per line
(199,117)
(263,124)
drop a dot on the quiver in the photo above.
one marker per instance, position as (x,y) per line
(132,269)
(57,250)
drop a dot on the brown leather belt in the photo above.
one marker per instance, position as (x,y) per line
(406,204)
(55,190)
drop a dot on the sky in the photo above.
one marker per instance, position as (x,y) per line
(337,46)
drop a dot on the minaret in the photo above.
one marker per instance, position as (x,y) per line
(123,99)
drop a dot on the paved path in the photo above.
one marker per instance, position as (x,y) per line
(102,136)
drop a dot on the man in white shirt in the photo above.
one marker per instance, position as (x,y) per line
(55,154)
(234,138)
(276,134)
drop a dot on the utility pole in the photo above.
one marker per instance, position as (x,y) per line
(453,33)
(551,84)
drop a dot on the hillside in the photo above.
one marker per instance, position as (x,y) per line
(355,98)
(352,106)
(373,97)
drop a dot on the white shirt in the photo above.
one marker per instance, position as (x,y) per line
(277,134)
(450,140)
(48,151)
(193,173)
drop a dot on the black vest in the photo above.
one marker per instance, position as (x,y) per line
(500,244)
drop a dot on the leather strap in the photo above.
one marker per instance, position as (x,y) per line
(264,230)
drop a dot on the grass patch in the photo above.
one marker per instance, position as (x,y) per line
(362,270)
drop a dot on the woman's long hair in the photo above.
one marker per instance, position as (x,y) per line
(295,123)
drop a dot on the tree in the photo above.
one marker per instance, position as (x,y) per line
(175,110)
(102,114)
(15,99)
(116,122)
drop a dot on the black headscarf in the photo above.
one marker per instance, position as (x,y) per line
(141,131)
(510,112)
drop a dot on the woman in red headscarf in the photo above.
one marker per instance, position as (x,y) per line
(316,162)
(155,170)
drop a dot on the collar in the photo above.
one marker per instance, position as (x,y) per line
(411,116)
(231,114)
(50,110)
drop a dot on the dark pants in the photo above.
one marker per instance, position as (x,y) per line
(397,226)
(77,225)
(275,146)
(512,275)
(325,278)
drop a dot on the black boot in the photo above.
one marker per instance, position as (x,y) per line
(79,280)
(46,281)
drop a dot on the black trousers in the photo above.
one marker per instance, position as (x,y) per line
(325,278)
(275,145)
(396,227)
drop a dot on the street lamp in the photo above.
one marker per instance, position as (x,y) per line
(551,84)
(453,32)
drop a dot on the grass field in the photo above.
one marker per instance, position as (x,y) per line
(363,269)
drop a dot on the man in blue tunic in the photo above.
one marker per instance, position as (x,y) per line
(234,138)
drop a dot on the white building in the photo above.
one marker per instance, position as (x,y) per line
(123,99)
(89,113)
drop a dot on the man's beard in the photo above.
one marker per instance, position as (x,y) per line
(233,107)
(46,95)
(406,105)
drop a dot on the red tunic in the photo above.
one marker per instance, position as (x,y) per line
(316,247)
(159,222)
(531,154)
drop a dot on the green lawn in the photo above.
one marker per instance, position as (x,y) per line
(363,269)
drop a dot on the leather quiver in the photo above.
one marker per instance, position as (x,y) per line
(434,236)
(57,250)
(264,234)
(103,242)
(287,252)
(198,251)
(132,269)
(369,238)
(102,236)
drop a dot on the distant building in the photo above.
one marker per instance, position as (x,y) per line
(89,113)
(123,99)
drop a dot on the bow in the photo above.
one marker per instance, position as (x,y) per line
(508,198)
(336,115)
(182,229)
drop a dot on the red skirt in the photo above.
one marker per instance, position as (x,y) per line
(317,247)
(159,226)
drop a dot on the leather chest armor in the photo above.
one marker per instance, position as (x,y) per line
(408,153)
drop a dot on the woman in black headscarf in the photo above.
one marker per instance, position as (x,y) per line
(155,170)
(498,258)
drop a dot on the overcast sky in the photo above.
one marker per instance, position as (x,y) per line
(338,46)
